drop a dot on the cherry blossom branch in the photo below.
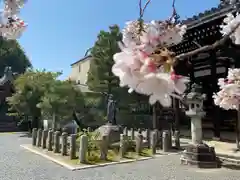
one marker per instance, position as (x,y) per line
(208,47)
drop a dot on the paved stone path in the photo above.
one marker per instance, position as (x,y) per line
(18,164)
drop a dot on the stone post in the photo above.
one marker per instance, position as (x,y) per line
(73,146)
(34,136)
(123,145)
(39,137)
(165,141)
(64,130)
(139,142)
(132,134)
(177,139)
(89,129)
(56,142)
(170,138)
(50,140)
(125,131)
(83,148)
(139,131)
(148,136)
(44,138)
(64,144)
(104,148)
(159,138)
(153,142)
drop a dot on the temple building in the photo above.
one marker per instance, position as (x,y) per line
(205,68)
(7,123)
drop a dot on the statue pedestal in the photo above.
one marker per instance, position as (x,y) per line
(110,130)
(197,153)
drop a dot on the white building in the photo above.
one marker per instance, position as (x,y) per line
(79,72)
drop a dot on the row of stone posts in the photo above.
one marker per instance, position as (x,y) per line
(58,143)
(154,139)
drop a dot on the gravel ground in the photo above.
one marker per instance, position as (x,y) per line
(18,164)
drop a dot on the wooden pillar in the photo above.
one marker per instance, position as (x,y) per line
(154,116)
(176,104)
(216,117)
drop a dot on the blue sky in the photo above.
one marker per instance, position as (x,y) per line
(59,33)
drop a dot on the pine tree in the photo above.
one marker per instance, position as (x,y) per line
(100,76)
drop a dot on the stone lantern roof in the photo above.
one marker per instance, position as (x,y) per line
(195,93)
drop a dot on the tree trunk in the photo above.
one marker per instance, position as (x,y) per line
(35,123)
(54,121)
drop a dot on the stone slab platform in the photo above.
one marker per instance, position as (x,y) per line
(60,160)
(222,149)
(225,151)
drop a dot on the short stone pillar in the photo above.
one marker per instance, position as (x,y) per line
(132,134)
(159,138)
(89,129)
(165,141)
(123,145)
(153,142)
(104,148)
(73,146)
(148,136)
(197,153)
(125,131)
(64,143)
(170,139)
(50,140)
(139,143)
(39,137)
(44,139)
(177,139)
(64,130)
(56,142)
(83,148)
(139,131)
(34,136)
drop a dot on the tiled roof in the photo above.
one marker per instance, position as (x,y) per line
(209,15)
(85,58)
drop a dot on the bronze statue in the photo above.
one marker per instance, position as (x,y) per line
(111,110)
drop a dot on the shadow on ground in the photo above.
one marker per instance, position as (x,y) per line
(26,134)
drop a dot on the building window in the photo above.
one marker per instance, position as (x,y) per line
(78,82)
(79,68)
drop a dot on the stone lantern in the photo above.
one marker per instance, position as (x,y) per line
(197,153)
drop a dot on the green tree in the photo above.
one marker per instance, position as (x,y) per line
(100,76)
(60,101)
(30,87)
(12,54)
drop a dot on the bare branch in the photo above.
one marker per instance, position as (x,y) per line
(145,7)
(208,47)
(140,8)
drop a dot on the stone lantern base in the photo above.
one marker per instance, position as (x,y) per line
(200,155)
